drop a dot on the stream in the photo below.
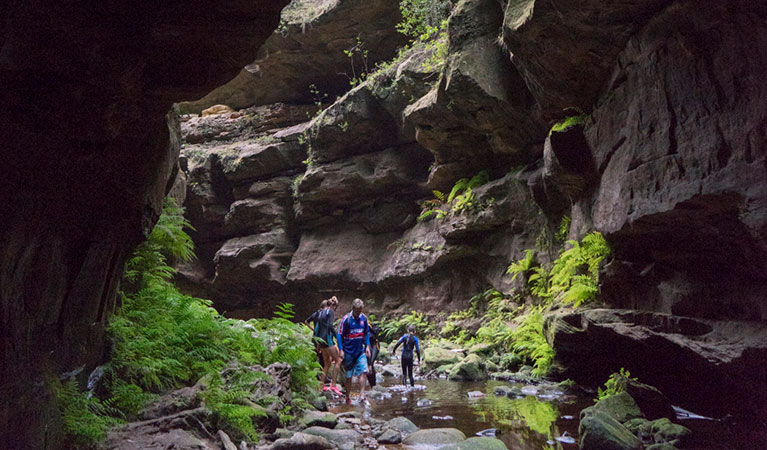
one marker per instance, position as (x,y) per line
(531,418)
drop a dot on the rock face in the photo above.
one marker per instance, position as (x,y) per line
(724,359)
(667,159)
(309,49)
(87,157)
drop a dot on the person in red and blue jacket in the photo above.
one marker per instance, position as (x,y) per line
(354,344)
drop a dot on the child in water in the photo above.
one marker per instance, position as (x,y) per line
(409,342)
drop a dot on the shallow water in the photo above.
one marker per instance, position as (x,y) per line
(521,423)
(531,422)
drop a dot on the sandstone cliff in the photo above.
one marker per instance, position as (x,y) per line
(668,162)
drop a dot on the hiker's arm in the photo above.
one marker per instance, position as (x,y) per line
(394,351)
(418,350)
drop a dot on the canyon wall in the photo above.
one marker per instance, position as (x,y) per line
(89,148)
(668,162)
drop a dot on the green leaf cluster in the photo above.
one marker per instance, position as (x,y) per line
(615,384)
(393,328)
(421,19)
(460,199)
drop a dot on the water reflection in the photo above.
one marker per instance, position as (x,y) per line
(525,422)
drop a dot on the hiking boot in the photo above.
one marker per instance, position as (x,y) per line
(336,390)
(327,388)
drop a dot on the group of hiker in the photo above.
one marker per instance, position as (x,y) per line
(354,344)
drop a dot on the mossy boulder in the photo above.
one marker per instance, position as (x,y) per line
(437,356)
(482,349)
(435,437)
(470,368)
(663,430)
(600,431)
(482,443)
(620,407)
(319,419)
(344,439)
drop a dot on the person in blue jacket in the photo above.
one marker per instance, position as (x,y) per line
(354,344)
(409,343)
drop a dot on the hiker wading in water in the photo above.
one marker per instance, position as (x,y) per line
(324,338)
(409,342)
(354,343)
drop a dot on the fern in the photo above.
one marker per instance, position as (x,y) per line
(85,418)
(458,187)
(522,266)
(285,311)
(439,196)
(528,341)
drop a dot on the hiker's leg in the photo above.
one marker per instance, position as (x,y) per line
(410,373)
(403,363)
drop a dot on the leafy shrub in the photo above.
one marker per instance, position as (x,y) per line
(615,384)
(421,19)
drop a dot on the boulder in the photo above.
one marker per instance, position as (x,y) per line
(620,407)
(302,441)
(599,431)
(470,368)
(317,418)
(482,443)
(402,424)
(434,357)
(664,431)
(592,343)
(344,439)
(389,437)
(434,437)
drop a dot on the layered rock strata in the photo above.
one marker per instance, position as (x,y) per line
(667,160)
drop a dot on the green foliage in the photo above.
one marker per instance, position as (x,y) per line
(615,384)
(522,266)
(167,239)
(438,48)
(393,328)
(574,275)
(464,184)
(285,311)
(528,341)
(296,184)
(432,213)
(358,56)
(461,199)
(86,419)
(163,339)
(230,401)
(534,414)
(564,229)
(421,19)
(568,122)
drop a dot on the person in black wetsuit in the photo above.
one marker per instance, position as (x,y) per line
(375,347)
(409,343)
(314,320)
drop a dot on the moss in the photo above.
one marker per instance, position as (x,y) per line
(567,123)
